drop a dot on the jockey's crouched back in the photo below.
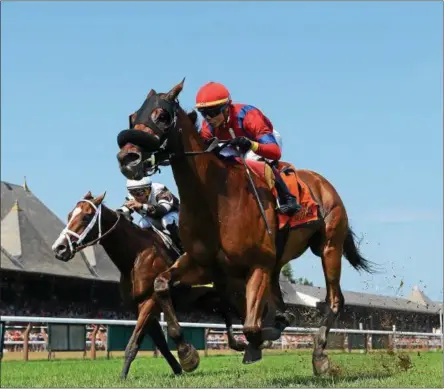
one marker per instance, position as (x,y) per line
(156,204)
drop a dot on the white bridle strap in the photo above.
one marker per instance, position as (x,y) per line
(67,233)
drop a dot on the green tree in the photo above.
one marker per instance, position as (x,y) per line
(287,271)
(303,281)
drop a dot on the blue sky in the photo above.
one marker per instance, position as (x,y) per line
(354,88)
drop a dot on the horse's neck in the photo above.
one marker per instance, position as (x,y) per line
(191,173)
(122,244)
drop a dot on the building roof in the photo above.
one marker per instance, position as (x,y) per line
(417,296)
(28,230)
(311,295)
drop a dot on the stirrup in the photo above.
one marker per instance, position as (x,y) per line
(287,208)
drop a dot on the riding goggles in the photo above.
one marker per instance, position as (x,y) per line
(212,112)
(138,191)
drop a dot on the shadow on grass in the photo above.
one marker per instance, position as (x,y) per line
(324,382)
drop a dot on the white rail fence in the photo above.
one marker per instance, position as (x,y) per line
(216,335)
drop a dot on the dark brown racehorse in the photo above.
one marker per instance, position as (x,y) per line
(140,255)
(221,227)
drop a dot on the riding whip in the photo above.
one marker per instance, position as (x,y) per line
(261,208)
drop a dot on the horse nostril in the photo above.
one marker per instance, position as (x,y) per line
(61,248)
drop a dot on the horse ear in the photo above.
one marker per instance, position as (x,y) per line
(98,200)
(173,93)
(150,93)
(88,195)
(192,116)
(131,119)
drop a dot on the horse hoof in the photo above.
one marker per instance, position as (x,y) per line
(252,355)
(321,365)
(266,344)
(160,285)
(238,346)
(289,318)
(270,333)
(188,357)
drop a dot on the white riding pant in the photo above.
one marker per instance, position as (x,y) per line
(169,218)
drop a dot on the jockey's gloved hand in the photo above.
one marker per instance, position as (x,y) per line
(243,143)
(125,212)
(133,205)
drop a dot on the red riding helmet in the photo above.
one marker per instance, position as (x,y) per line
(212,94)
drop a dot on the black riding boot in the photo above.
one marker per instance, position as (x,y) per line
(287,201)
(173,229)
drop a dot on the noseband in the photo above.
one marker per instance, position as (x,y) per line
(76,245)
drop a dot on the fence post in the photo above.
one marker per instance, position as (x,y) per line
(26,342)
(207,332)
(394,337)
(441,327)
(349,344)
(93,341)
(344,342)
(361,328)
(107,340)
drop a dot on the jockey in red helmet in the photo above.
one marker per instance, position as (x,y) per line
(253,130)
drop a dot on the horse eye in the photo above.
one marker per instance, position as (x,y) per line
(160,116)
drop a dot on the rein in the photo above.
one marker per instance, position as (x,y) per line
(77,246)
(150,166)
(154,166)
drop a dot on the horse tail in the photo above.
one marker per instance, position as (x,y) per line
(354,256)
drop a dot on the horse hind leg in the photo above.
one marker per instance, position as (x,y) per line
(233,343)
(331,263)
(186,272)
(222,306)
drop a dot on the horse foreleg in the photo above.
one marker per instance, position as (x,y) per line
(145,314)
(156,333)
(331,263)
(188,356)
(257,288)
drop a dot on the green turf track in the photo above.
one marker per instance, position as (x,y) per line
(290,369)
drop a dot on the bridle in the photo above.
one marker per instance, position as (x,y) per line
(172,108)
(148,162)
(75,246)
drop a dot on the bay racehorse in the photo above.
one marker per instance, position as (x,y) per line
(140,255)
(223,232)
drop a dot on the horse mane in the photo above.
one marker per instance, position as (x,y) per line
(193,116)
(148,234)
